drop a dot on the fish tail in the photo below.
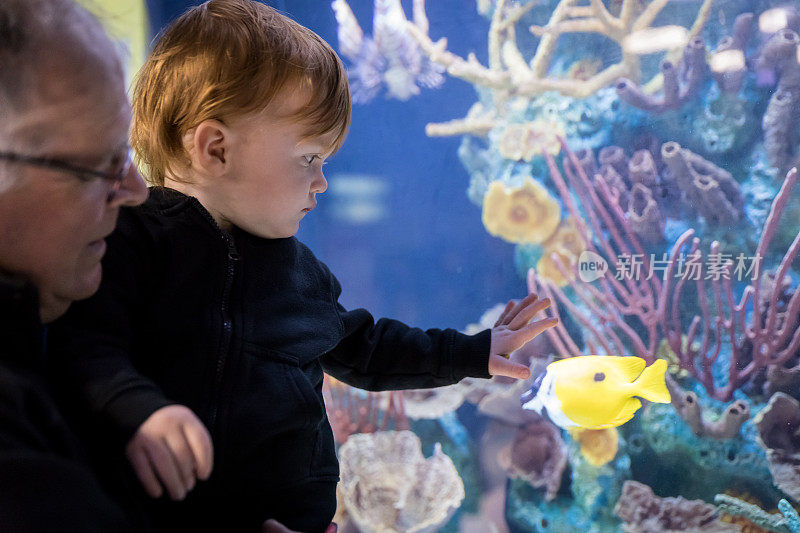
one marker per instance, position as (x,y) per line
(651,385)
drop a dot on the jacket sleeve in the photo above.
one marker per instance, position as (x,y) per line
(93,342)
(41,491)
(389,355)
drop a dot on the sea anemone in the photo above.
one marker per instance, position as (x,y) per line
(525,214)
(598,446)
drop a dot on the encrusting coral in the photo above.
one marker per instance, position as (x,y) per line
(525,214)
(642,511)
(388,485)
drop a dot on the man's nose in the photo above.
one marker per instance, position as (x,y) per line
(132,190)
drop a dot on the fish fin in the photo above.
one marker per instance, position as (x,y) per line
(627,412)
(631,367)
(652,385)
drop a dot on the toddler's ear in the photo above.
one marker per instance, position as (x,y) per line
(209,145)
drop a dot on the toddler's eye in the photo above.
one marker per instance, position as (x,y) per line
(308,160)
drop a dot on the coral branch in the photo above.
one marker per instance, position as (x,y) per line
(509,75)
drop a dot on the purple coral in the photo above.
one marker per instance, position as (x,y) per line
(612,306)
(642,511)
(645,215)
(390,58)
(730,81)
(779,122)
(681,82)
(706,187)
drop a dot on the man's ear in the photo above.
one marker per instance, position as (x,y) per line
(209,145)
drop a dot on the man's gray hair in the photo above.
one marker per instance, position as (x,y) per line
(39,38)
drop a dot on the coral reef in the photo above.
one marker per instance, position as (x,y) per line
(688,462)
(391,58)
(523,214)
(388,485)
(779,435)
(613,305)
(643,512)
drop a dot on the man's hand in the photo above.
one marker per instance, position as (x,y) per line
(512,330)
(172,448)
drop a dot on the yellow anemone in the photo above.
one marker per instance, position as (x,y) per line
(598,446)
(568,237)
(547,267)
(526,214)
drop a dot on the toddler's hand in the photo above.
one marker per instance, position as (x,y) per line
(171,448)
(512,331)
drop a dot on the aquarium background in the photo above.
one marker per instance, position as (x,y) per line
(693,156)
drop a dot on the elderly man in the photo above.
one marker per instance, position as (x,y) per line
(65,170)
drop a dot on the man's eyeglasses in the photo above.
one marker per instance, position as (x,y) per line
(121,165)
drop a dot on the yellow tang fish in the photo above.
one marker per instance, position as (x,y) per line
(596,391)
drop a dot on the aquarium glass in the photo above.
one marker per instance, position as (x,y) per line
(632,161)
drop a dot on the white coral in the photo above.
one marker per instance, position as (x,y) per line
(388,485)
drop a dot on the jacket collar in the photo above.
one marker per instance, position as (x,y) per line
(21,330)
(168,200)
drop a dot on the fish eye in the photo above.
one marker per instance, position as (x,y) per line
(599,376)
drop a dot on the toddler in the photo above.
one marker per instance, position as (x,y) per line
(213,323)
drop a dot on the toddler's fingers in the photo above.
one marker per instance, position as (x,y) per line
(502,316)
(182,456)
(534,328)
(143,470)
(165,468)
(526,314)
(522,304)
(500,366)
(200,441)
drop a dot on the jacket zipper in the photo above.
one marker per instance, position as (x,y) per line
(227,323)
